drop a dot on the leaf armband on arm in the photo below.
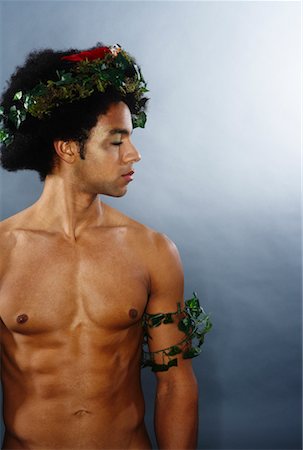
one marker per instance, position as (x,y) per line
(195,323)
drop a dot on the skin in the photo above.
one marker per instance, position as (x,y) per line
(75,279)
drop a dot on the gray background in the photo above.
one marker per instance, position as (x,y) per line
(220,175)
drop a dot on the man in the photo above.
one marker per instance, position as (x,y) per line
(79,278)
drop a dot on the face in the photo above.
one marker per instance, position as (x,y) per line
(109,154)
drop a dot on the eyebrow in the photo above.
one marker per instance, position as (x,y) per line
(120,131)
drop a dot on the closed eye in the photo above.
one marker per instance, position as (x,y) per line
(117,143)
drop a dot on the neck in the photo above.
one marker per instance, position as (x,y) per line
(64,208)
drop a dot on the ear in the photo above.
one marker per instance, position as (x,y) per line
(66,150)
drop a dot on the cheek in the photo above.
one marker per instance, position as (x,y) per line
(106,153)
(105,161)
(101,158)
(102,165)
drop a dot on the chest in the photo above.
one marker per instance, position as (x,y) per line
(101,281)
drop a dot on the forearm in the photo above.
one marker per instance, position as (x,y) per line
(176,416)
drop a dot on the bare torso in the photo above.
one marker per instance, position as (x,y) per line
(71,334)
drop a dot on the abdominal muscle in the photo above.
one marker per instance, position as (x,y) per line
(88,403)
(53,425)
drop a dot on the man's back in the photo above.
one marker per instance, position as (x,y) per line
(71,333)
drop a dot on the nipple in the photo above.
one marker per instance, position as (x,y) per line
(22,318)
(133,313)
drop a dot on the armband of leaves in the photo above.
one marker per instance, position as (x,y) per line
(194,323)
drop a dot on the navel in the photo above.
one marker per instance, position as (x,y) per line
(81,412)
(22,318)
(133,313)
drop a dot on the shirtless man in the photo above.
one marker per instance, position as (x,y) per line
(76,278)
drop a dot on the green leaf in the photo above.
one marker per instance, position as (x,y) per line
(18,95)
(193,303)
(13,115)
(164,367)
(26,101)
(39,90)
(139,120)
(168,318)
(66,78)
(5,137)
(16,116)
(191,353)
(156,319)
(174,350)
(173,363)
(121,62)
(200,339)
(193,307)
(185,325)
(208,326)
(159,367)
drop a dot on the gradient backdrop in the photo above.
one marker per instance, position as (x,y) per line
(220,175)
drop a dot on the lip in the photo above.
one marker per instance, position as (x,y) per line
(128,176)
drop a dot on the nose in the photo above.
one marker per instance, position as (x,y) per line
(131,154)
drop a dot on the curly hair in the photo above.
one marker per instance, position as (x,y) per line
(32,147)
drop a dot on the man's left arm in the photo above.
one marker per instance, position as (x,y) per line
(176,408)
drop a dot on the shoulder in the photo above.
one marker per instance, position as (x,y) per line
(156,244)
(9,227)
(7,242)
(12,227)
(162,257)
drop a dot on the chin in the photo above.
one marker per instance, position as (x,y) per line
(115,194)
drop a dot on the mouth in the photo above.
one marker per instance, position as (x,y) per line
(129,173)
(128,176)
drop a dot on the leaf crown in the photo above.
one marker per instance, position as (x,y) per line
(90,72)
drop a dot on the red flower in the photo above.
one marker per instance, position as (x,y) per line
(99,52)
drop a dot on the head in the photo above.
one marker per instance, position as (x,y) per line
(67,104)
(109,154)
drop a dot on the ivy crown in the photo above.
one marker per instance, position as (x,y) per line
(89,71)
(59,94)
